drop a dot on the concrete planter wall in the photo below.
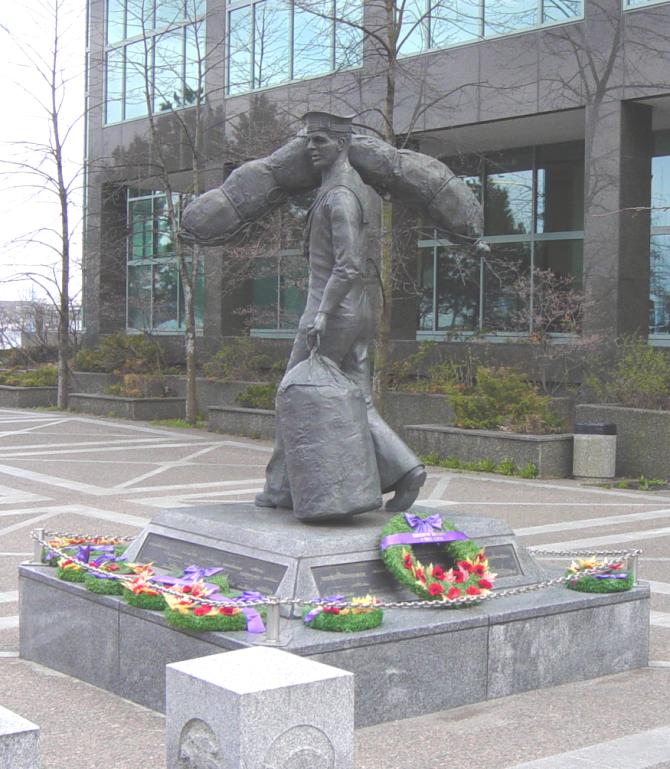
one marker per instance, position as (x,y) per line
(127,408)
(643,438)
(552,454)
(27,397)
(234,420)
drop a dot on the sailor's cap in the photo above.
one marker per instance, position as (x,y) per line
(325,121)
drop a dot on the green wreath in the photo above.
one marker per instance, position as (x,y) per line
(102,586)
(611,579)
(361,614)
(212,621)
(469,576)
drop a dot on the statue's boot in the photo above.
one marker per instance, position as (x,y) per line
(269,500)
(407,490)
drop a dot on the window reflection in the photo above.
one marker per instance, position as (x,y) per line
(271,43)
(453,22)
(414,30)
(116,13)
(114,86)
(348,34)
(239,50)
(504,16)
(137,61)
(555,11)
(504,305)
(312,38)
(168,63)
(659,293)
(508,198)
(169,12)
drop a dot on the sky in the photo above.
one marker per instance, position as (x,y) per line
(27,30)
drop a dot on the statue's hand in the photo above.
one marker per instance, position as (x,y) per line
(318,327)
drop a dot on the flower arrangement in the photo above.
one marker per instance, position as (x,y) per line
(109,583)
(70,570)
(363,613)
(140,591)
(185,611)
(611,578)
(469,577)
(70,544)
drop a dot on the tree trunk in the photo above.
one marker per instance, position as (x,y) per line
(381,345)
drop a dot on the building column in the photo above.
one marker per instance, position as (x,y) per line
(617,179)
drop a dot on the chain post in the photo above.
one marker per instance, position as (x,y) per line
(38,538)
(633,566)
(272,630)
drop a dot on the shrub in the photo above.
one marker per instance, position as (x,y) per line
(239,360)
(122,354)
(258,396)
(139,386)
(43,376)
(502,399)
(639,376)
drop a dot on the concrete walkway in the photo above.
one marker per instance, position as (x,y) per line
(83,474)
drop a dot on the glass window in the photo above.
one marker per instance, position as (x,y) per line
(348,33)
(457,294)
(168,63)
(659,289)
(313,42)
(454,21)
(163,63)
(533,213)
(271,43)
(414,29)
(138,59)
(506,272)
(508,201)
(139,17)
(169,12)
(155,294)
(504,16)
(114,86)
(116,13)
(139,297)
(660,191)
(556,11)
(239,50)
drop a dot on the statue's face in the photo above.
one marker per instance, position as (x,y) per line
(323,149)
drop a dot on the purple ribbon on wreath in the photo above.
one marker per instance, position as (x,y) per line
(194,572)
(103,559)
(620,575)
(423,531)
(251,615)
(323,602)
(83,554)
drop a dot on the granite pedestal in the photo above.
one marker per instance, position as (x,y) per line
(418,661)
(259,708)
(19,742)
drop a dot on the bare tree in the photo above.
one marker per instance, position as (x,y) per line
(42,166)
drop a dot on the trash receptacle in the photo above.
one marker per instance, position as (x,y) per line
(594,452)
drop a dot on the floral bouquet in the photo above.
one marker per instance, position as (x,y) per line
(140,591)
(362,613)
(224,613)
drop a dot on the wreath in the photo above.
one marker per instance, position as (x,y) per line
(611,578)
(185,611)
(469,576)
(362,613)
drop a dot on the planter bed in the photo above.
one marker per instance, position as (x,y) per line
(27,397)
(235,420)
(643,438)
(127,408)
(551,454)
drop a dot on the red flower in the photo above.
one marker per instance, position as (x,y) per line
(465,566)
(472,590)
(459,576)
(435,589)
(437,572)
(479,570)
(227,610)
(454,592)
(331,610)
(480,557)
(484,583)
(407,561)
(418,573)
(200,611)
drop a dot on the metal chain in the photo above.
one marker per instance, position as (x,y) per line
(88,537)
(466,599)
(576,553)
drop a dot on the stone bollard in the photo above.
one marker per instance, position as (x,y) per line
(258,708)
(19,742)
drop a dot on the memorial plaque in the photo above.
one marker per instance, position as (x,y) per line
(503,561)
(353,579)
(243,572)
